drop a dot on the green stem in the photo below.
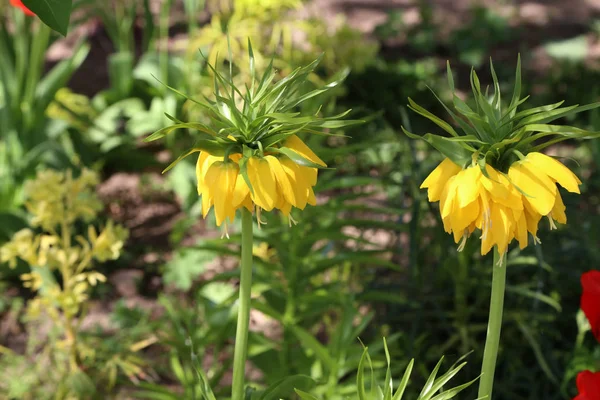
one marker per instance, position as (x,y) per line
(492,341)
(241,334)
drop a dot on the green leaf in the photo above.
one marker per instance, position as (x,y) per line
(535,295)
(309,342)
(297,158)
(496,100)
(455,150)
(544,118)
(388,390)
(442,380)
(537,350)
(81,384)
(449,394)
(450,77)
(517,89)
(431,380)
(54,13)
(186,265)
(285,387)
(209,146)
(433,118)
(161,133)
(360,375)
(304,395)
(404,382)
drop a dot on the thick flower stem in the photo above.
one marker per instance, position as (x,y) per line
(241,335)
(490,352)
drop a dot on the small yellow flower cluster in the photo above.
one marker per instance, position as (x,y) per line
(277,182)
(54,198)
(503,206)
(57,200)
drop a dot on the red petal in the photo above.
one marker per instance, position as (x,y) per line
(590,300)
(588,384)
(19,4)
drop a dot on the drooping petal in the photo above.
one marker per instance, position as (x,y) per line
(263,182)
(501,226)
(298,182)
(448,196)
(221,178)
(437,179)
(501,190)
(555,170)
(296,144)
(495,184)
(590,300)
(311,198)
(284,206)
(205,160)
(521,231)
(310,174)
(283,182)
(240,192)
(468,186)
(532,218)
(539,189)
(558,211)
(462,217)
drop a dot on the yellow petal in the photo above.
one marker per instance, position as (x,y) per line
(448,196)
(532,218)
(555,170)
(558,211)
(311,198)
(310,174)
(283,181)
(521,231)
(447,224)
(502,226)
(436,181)
(496,184)
(298,182)
(539,189)
(296,144)
(263,182)
(205,160)
(284,207)
(221,179)
(462,217)
(240,192)
(248,203)
(468,186)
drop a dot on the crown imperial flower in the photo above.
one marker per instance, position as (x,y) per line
(502,206)
(494,179)
(252,156)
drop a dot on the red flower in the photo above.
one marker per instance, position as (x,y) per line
(19,4)
(590,300)
(588,384)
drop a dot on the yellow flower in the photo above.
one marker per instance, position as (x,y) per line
(277,182)
(502,206)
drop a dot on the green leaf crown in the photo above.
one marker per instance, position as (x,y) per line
(491,133)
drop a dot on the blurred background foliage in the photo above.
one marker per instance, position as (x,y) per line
(370,261)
